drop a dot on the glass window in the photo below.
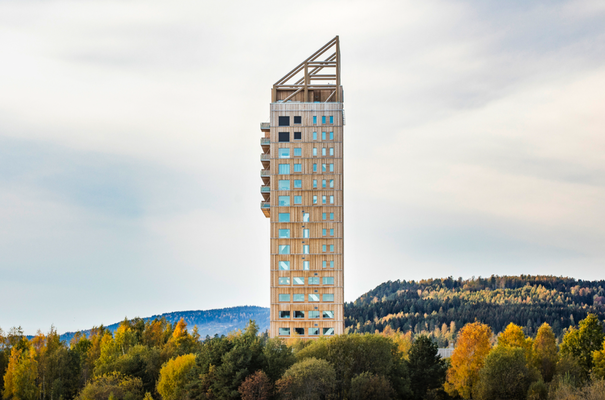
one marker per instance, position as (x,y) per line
(297,280)
(298,120)
(331,167)
(297,183)
(297,167)
(283,169)
(305,249)
(328,280)
(331,216)
(323,199)
(297,199)
(331,119)
(314,280)
(331,135)
(313,297)
(331,151)
(306,233)
(284,249)
(284,136)
(297,135)
(314,120)
(284,200)
(283,184)
(284,280)
(284,121)
(314,151)
(331,199)
(323,151)
(323,167)
(328,314)
(313,314)
(323,119)
(313,331)
(283,153)
(323,216)
(284,265)
(331,183)
(314,199)
(299,297)
(284,297)
(314,135)
(284,233)
(314,167)
(299,331)
(284,217)
(305,265)
(323,183)
(315,183)
(284,331)
(284,315)
(323,136)
(297,152)
(331,232)
(328,331)
(299,314)
(305,217)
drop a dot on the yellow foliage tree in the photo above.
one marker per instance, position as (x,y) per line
(545,352)
(598,360)
(468,358)
(21,375)
(172,377)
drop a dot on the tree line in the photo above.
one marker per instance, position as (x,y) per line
(438,307)
(146,360)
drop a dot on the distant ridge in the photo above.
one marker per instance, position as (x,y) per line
(218,321)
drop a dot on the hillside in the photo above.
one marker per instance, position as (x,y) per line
(441,306)
(209,322)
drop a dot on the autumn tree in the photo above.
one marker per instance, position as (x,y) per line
(256,387)
(21,375)
(309,379)
(581,343)
(427,369)
(468,358)
(545,352)
(174,375)
(598,359)
(113,386)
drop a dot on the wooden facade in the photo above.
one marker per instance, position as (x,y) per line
(302,174)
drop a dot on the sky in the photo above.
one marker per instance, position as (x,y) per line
(129,147)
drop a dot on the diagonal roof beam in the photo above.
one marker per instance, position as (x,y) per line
(299,68)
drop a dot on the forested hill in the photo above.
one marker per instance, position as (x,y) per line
(209,322)
(441,306)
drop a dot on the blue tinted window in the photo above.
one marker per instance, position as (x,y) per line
(284,217)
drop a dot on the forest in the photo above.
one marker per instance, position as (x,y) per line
(155,359)
(438,307)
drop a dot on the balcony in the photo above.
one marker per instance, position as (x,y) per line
(265,141)
(265,157)
(264,173)
(265,189)
(265,126)
(265,208)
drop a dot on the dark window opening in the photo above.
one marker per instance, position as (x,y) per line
(284,136)
(299,331)
(297,135)
(284,121)
(298,120)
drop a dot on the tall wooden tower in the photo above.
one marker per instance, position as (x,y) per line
(302,188)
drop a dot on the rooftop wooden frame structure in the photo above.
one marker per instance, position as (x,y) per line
(315,80)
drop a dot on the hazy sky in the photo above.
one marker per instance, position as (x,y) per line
(129,147)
